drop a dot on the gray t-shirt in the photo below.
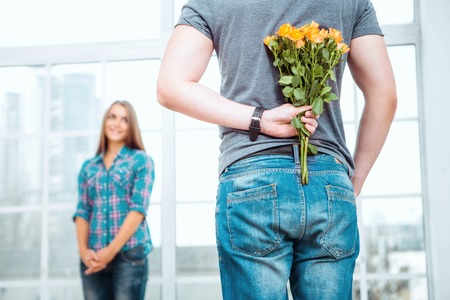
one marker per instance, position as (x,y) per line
(237,29)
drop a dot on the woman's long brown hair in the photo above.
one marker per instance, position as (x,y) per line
(134,139)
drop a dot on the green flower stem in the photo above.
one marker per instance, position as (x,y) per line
(304,140)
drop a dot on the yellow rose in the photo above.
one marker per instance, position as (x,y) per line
(311,33)
(335,35)
(296,34)
(343,47)
(285,30)
(300,43)
(320,36)
(314,25)
(268,39)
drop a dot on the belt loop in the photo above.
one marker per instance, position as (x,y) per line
(296,153)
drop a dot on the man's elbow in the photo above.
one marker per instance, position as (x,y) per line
(163,92)
(391,102)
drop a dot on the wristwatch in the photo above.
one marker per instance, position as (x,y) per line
(255,127)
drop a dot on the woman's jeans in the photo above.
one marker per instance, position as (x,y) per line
(124,278)
(270,229)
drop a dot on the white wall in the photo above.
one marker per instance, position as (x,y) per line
(436,107)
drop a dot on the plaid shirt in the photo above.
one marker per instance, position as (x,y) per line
(107,196)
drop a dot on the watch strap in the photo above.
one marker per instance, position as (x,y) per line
(255,128)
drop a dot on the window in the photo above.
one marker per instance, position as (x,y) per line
(53,22)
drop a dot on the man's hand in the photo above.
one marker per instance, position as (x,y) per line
(276,122)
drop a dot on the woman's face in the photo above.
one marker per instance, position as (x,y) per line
(116,125)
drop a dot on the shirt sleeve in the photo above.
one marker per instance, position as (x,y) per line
(84,207)
(142,184)
(198,14)
(366,22)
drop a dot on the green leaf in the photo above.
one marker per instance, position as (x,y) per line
(325,90)
(326,54)
(287,91)
(299,94)
(301,70)
(317,106)
(276,62)
(295,81)
(285,80)
(313,149)
(314,88)
(304,130)
(330,97)
(273,44)
(332,76)
(318,71)
(296,123)
(289,56)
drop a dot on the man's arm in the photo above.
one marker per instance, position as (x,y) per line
(371,69)
(185,60)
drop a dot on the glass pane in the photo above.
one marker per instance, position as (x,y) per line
(16,293)
(197,155)
(153,291)
(211,79)
(81,21)
(152,143)
(397,169)
(394,235)
(199,291)
(70,292)
(21,99)
(21,175)
(135,81)
(196,240)
(403,60)
(63,250)
(404,65)
(76,101)
(154,222)
(20,249)
(356,290)
(177,5)
(414,289)
(394,12)
(66,158)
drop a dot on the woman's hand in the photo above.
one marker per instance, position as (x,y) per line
(276,122)
(92,261)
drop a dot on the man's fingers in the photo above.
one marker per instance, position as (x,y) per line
(310,114)
(301,109)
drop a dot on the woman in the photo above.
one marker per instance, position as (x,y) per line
(114,191)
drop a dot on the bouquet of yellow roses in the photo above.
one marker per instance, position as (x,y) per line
(305,58)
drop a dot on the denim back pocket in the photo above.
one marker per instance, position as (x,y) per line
(253,220)
(135,256)
(341,236)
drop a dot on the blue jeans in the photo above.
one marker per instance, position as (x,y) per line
(270,229)
(124,278)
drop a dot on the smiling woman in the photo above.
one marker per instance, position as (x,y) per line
(114,191)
